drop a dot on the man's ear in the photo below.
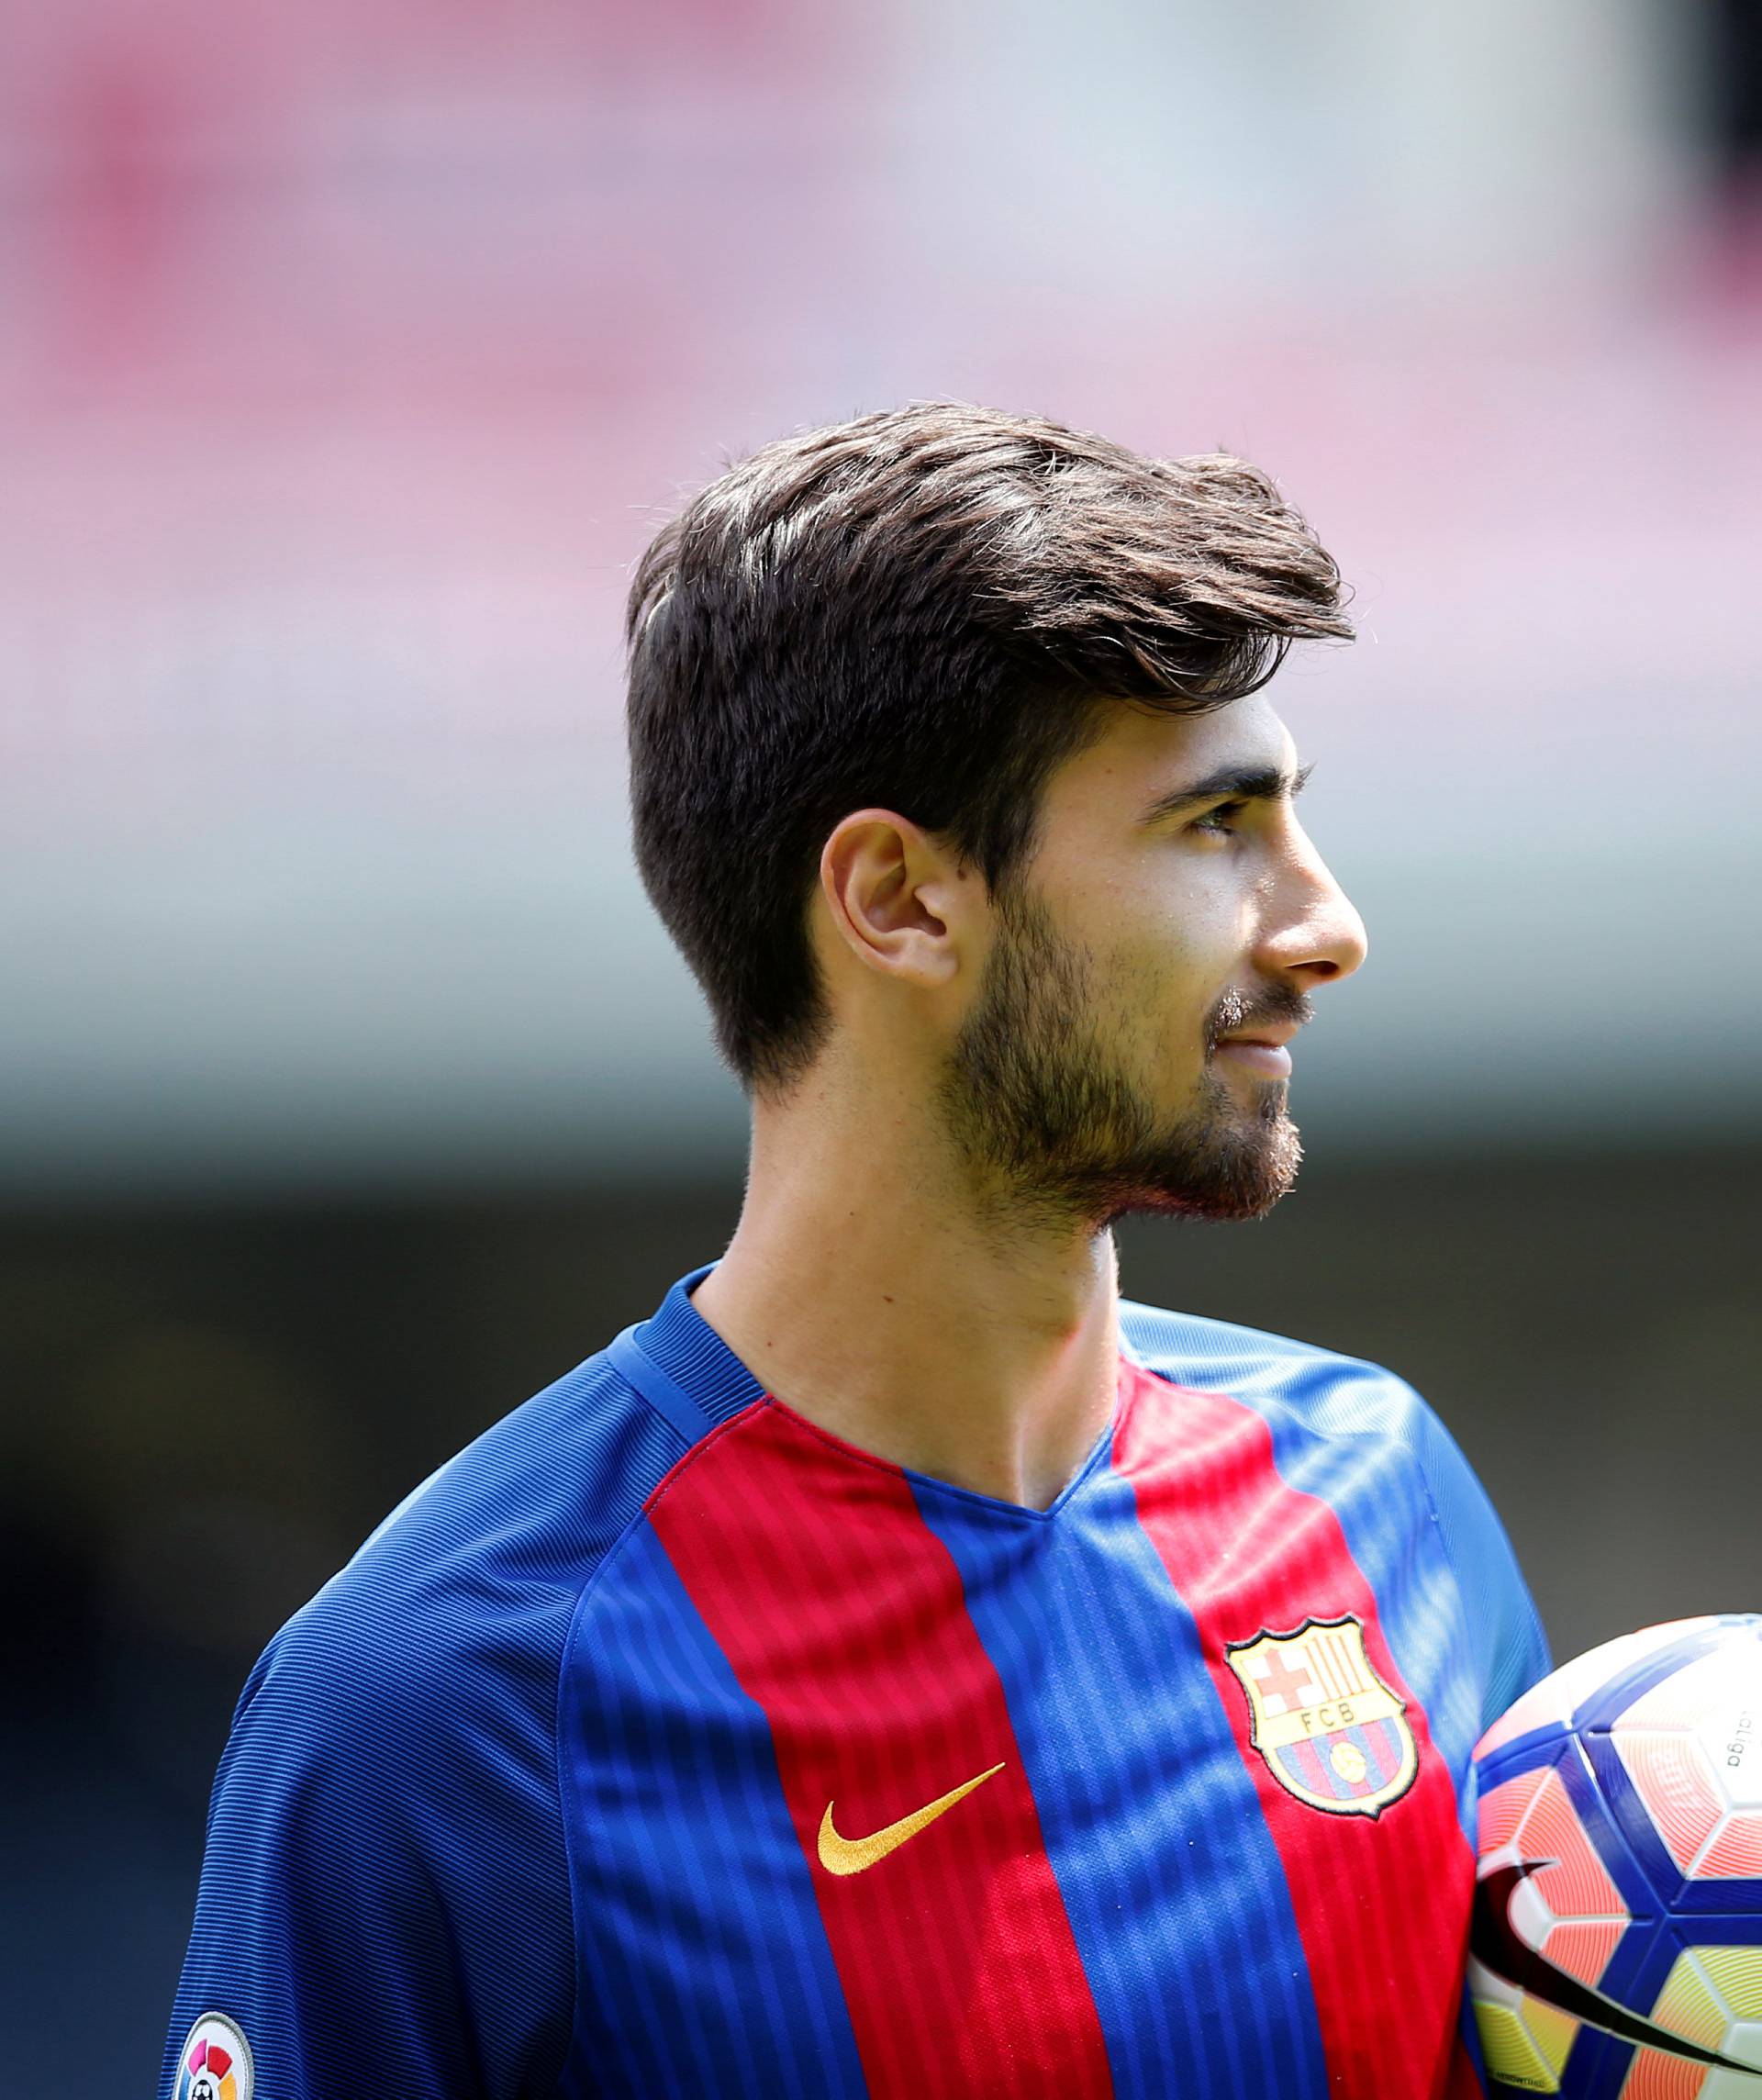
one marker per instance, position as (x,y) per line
(899,896)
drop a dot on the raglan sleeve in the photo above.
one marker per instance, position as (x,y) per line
(1504,1624)
(383,1901)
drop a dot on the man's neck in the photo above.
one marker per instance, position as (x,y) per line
(866,1291)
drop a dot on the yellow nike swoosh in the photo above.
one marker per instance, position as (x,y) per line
(851,1855)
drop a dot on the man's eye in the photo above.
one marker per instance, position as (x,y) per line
(1221,820)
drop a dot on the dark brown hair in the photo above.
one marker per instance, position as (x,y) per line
(918,611)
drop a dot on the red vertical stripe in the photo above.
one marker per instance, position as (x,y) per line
(1381,1903)
(842,1615)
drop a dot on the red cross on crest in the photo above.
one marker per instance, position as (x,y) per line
(1282,1689)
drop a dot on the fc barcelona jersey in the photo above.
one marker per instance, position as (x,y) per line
(664,1744)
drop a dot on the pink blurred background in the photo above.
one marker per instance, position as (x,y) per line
(352,353)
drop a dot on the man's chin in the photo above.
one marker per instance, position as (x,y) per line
(1230,1180)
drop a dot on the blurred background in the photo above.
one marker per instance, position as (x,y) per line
(349,1091)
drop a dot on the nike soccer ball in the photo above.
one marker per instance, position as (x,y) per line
(1617,1942)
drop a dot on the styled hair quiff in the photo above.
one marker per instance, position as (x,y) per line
(919,610)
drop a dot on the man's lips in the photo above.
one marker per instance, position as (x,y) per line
(1260,1050)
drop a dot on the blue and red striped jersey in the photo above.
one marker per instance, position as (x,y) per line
(662,1743)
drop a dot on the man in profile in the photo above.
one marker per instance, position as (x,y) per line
(899,1666)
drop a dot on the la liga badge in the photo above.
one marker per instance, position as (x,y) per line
(216,2061)
(1331,1730)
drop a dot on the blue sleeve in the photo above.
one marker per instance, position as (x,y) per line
(384,1899)
(1503,1620)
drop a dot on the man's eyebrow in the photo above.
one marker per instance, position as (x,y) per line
(1232,783)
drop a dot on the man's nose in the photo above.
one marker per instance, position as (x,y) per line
(1313,932)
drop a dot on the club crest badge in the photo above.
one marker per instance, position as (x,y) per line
(216,2061)
(1331,1732)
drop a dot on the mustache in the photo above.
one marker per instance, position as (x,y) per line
(1277,1006)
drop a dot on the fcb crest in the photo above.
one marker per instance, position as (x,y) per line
(1331,1732)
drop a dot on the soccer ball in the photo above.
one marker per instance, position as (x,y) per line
(1617,1937)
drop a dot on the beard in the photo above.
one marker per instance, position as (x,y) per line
(1043,1105)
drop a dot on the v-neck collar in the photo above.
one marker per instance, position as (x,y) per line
(684,1346)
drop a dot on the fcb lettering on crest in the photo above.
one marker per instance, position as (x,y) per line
(1331,1732)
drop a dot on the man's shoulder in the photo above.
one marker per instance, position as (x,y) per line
(388,1819)
(462,1597)
(1299,1387)
(1330,1393)
(1313,1401)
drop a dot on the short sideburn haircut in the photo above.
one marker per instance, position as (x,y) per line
(921,610)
